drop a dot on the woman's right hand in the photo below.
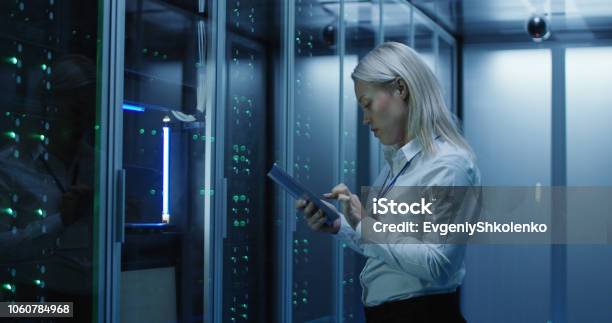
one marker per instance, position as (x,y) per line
(316,218)
(351,206)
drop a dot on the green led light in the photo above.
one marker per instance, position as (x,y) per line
(97,127)
(141,131)
(41,137)
(12,60)
(40,212)
(11,134)
(153,132)
(37,282)
(43,67)
(236,223)
(9,211)
(8,287)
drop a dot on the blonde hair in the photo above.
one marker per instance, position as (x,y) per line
(427,110)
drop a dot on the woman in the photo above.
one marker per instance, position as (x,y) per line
(404,108)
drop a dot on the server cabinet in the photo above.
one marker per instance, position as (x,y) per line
(52,153)
(247,44)
(246,222)
(165,138)
(313,145)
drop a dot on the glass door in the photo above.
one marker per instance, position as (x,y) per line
(164,142)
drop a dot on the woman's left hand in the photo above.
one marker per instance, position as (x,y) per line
(315,217)
(351,206)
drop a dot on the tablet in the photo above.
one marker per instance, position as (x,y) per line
(297,190)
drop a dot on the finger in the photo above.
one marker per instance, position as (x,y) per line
(300,203)
(314,218)
(309,215)
(309,209)
(338,189)
(319,223)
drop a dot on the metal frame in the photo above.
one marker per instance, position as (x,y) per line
(338,253)
(209,256)
(102,248)
(111,117)
(558,261)
(287,223)
(218,215)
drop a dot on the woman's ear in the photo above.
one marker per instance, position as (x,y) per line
(401,88)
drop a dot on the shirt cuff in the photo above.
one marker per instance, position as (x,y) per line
(346,232)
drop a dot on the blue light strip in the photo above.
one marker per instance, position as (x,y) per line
(166,175)
(131,107)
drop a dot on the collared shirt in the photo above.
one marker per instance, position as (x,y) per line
(400,271)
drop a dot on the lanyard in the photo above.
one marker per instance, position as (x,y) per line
(385,190)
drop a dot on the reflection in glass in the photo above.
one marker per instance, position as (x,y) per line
(424,39)
(397,17)
(446,72)
(48,152)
